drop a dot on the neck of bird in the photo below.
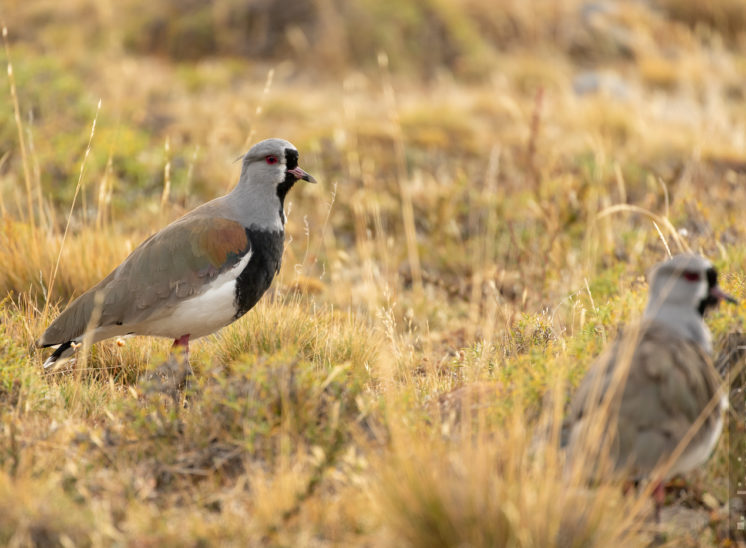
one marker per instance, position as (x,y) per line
(683,320)
(260,203)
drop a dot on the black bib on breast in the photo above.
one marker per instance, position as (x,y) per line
(256,277)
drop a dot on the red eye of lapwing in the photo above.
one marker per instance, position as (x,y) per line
(271,159)
(691,275)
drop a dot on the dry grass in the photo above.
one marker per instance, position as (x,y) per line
(480,494)
(485,214)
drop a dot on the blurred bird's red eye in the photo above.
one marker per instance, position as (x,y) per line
(691,275)
(271,159)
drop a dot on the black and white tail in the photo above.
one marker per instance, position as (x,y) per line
(62,352)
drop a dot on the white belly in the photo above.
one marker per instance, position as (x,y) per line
(197,316)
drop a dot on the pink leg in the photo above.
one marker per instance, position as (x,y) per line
(182,341)
(182,345)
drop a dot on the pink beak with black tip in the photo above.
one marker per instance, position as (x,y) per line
(721,295)
(300,174)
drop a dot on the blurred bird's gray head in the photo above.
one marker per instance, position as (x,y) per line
(273,162)
(682,289)
(686,280)
(268,171)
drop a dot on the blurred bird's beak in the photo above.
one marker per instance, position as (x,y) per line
(300,174)
(721,295)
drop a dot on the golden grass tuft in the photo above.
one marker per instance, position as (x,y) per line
(491,491)
(318,333)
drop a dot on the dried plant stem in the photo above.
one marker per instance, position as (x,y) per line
(166,175)
(260,107)
(69,216)
(657,220)
(104,194)
(407,208)
(21,140)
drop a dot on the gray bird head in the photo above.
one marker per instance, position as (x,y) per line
(273,162)
(681,290)
(268,172)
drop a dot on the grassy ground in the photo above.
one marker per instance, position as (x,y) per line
(495,180)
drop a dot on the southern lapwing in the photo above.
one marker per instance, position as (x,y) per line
(669,384)
(200,273)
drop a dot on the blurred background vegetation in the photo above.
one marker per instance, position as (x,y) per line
(573,96)
(144,57)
